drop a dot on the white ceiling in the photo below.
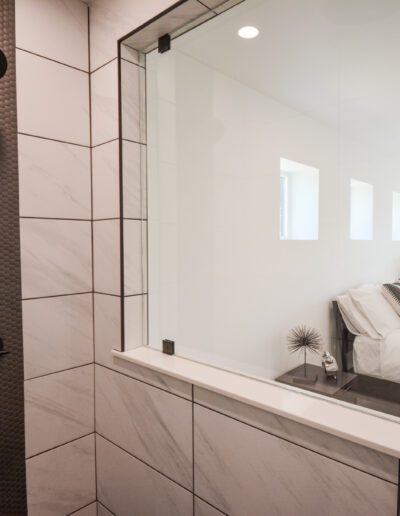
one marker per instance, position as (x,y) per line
(338,60)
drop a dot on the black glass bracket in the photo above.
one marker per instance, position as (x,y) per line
(164,43)
(168,347)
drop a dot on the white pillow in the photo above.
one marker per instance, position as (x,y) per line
(355,321)
(372,304)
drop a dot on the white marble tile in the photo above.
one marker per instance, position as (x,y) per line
(135,321)
(53,99)
(109,21)
(202,508)
(107,313)
(135,274)
(105,169)
(134,174)
(89,510)
(58,408)
(103,511)
(127,486)
(242,470)
(55,257)
(132,55)
(107,327)
(106,262)
(161,436)
(57,29)
(54,179)
(347,452)
(104,95)
(380,434)
(62,480)
(133,102)
(61,341)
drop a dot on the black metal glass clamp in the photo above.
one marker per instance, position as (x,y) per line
(2,350)
(3,64)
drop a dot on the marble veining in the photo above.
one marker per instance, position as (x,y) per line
(55,257)
(57,29)
(108,335)
(161,436)
(58,408)
(135,321)
(66,117)
(105,166)
(54,179)
(106,249)
(62,480)
(133,102)
(109,22)
(60,342)
(134,170)
(132,55)
(347,452)
(202,508)
(103,511)
(104,97)
(107,327)
(127,486)
(242,470)
(135,257)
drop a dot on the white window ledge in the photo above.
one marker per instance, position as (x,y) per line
(368,428)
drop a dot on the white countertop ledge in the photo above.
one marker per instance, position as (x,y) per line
(379,433)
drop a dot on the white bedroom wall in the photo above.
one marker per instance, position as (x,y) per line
(222,284)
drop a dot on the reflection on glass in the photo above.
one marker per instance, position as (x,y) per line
(396,216)
(362,209)
(299,201)
(312,102)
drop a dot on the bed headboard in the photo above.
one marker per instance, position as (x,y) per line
(346,339)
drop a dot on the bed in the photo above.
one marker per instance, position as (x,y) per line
(378,357)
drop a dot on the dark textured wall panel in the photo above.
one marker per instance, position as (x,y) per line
(12,451)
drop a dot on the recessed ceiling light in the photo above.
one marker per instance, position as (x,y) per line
(248,32)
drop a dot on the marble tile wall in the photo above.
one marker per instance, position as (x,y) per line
(56,254)
(153,425)
(62,480)
(127,486)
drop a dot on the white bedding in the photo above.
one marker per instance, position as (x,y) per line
(379,358)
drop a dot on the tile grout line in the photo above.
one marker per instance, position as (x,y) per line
(143,381)
(92,249)
(144,462)
(294,443)
(83,507)
(51,59)
(59,446)
(156,470)
(58,371)
(104,143)
(105,507)
(51,296)
(47,138)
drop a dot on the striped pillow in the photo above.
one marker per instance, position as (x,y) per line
(391,291)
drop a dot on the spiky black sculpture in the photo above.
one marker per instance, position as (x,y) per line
(302,338)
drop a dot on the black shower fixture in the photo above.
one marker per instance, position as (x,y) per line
(3,64)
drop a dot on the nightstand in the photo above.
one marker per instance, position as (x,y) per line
(328,386)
